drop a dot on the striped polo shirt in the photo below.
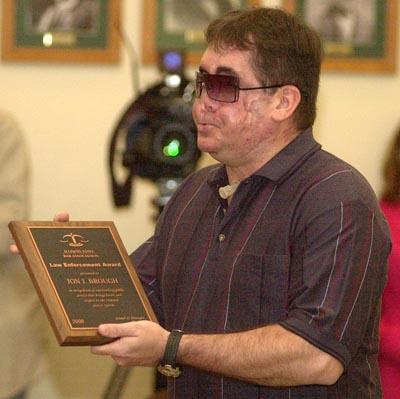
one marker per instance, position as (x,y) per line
(303,243)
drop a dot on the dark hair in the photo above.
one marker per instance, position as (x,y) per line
(285,51)
(391,171)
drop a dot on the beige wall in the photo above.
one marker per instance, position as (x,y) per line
(68,112)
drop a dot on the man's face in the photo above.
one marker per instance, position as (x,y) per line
(235,134)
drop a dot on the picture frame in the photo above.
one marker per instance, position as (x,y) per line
(161,31)
(33,32)
(357,35)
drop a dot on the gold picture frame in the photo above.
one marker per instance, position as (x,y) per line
(156,35)
(25,38)
(376,54)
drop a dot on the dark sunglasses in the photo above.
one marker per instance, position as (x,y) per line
(224,88)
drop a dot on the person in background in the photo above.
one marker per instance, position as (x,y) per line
(389,352)
(266,270)
(22,337)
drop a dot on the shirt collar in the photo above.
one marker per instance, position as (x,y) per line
(282,164)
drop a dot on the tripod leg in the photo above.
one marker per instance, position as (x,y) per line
(117,382)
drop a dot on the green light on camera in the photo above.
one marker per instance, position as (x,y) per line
(172,149)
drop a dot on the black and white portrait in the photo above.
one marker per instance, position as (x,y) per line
(183,15)
(344,21)
(65,15)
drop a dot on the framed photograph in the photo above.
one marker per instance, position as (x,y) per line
(358,35)
(61,30)
(179,25)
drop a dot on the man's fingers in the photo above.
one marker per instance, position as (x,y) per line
(112,348)
(58,217)
(117,330)
(61,217)
(14,249)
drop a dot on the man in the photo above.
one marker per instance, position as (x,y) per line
(272,263)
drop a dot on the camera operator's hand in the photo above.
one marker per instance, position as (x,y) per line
(58,217)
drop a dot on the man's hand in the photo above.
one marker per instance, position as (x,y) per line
(58,217)
(138,343)
(61,216)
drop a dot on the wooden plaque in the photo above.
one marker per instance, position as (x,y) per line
(83,276)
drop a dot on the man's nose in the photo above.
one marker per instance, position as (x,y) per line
(205,100)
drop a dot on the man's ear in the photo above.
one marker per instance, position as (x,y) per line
(287,99)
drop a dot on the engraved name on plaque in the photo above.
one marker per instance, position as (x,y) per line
(83,276)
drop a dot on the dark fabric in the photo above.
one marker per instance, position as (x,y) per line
(304,244)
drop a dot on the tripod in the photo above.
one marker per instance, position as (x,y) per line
(166,188)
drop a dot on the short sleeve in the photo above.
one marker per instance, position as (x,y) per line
(341,251)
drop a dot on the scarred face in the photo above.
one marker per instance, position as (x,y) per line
(236,134)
